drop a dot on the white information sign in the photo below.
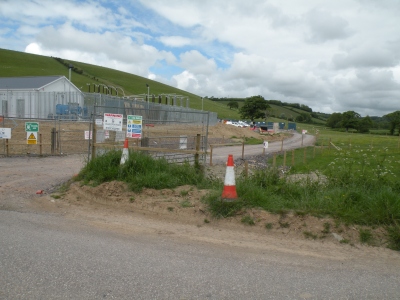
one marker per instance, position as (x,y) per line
(265,144)
(113,122)
(183,142)
(5,133)
(99,122)
(88,134)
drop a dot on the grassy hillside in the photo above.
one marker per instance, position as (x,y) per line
(23,64)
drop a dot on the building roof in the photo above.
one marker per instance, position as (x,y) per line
(29,82)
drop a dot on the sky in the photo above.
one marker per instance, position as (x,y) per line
(333,56)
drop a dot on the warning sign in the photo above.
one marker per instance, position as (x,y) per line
(113,122)
(31,138)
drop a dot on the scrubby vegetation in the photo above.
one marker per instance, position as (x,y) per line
(141,171)
(365,196)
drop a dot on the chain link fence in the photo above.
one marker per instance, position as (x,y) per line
(178,134)
(170,130)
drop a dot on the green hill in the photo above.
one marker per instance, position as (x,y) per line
(15,64)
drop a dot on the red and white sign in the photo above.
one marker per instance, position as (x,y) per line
(113,122)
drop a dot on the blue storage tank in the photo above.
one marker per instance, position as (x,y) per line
(291,126)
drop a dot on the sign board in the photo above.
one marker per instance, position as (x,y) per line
(265,144)
(183,142)
(113,122)
(88,134)
(31,126)
(134,126)
(304,131)
(31,138)
(5,133)
(99,122)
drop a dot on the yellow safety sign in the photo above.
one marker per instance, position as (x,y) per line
(31,138)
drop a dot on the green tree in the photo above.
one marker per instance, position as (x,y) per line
(299,118)
(304,118)
(233,104)
(394,120)
(350,119)
(334,121)
(254,108)
(365,124)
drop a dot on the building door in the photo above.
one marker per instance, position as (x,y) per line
(4,108)
(21,108)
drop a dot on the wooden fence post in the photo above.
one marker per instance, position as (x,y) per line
(284,159)
(242,150)
(292,158)
(7,148)
(94,142)
(196,156)
(53,140)
(211,154)
(40,144)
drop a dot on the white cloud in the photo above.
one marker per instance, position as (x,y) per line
(325,26)
(330,55)
(106,49)
(175,41)
(195,62)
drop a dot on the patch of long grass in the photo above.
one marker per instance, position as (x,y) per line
(141,171)
(220,208)
(394,237)
(369,201)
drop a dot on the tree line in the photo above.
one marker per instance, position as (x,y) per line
(256,107)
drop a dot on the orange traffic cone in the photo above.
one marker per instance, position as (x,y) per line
(125,152)
(229,192)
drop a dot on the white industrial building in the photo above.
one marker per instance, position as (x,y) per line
(39,97)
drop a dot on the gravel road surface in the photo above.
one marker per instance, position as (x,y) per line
(65,252)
